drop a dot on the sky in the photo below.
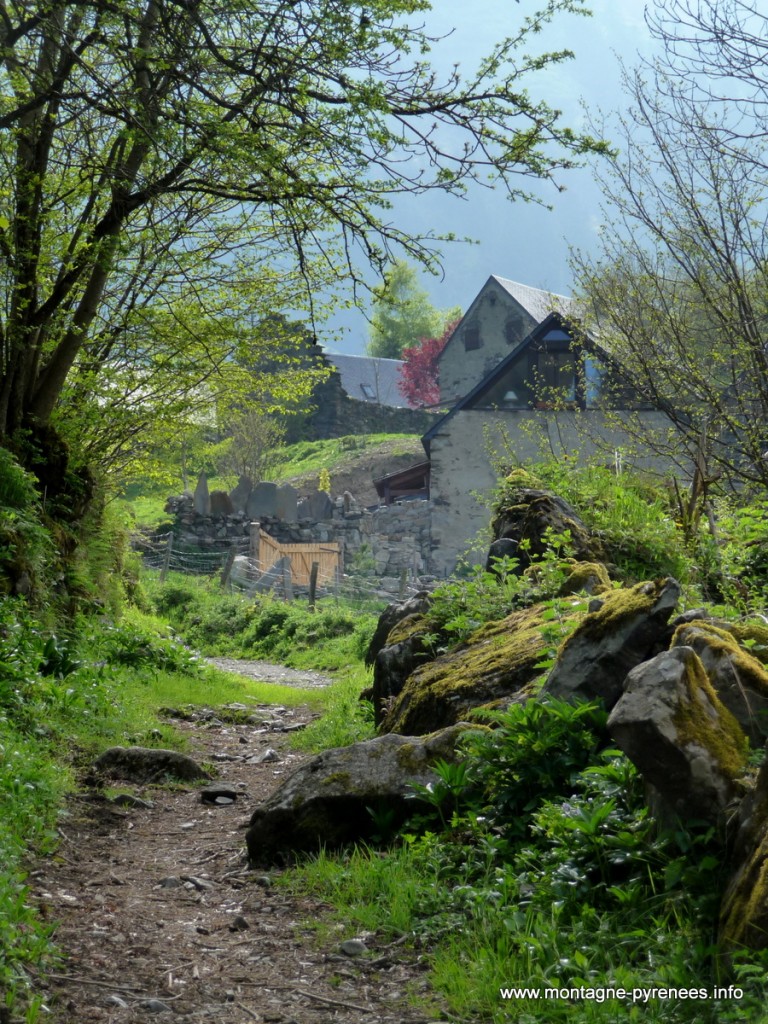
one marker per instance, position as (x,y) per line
(520,241)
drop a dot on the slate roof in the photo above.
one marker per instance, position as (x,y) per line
(536,301)
(369,379)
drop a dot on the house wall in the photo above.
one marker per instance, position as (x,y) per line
(502,323)
(463,477)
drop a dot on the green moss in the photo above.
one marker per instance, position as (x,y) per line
(720,734)
(724,641)
(410,626)
(753,635)
(591,577)
(744,912)
(498,660)
(338,779)
(620,605)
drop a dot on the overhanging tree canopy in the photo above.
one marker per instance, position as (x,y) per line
(173,167)
(678,293)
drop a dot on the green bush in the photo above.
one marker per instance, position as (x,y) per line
(631,517)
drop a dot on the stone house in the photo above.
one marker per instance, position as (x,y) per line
(550,394)
(501,316)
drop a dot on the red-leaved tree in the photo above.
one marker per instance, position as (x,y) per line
(419,383)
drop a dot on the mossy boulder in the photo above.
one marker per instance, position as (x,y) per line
(148,764)
(327,801)
(392,615)
(523,514)
(744,907)
(627,628)
(671,724)
(500,660)
(408,645)
(739,679)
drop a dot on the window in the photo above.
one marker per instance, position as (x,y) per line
(368,392)
(554,373)
(471,336)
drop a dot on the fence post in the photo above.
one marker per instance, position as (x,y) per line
(403,583)
(167,558)
(336,581)
(254,553)
(225,574)
(313,584)
(287,580)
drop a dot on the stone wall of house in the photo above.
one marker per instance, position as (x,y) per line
(471,445)
(498,324)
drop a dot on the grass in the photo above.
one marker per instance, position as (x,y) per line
(307,458)
(302,460)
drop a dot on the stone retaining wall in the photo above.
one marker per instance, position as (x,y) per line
(381,542)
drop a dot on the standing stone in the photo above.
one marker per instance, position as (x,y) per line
(685,742)
(287,503)
(628,627)
(202,498)
(221,505)
(262,501)
(239,495)
(318,506)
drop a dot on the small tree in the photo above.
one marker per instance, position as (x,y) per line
(677,296)
(254,445)
(419,375)
(402,314)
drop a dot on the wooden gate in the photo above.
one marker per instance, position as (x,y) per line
(327,556)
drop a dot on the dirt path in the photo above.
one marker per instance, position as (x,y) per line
(160,918)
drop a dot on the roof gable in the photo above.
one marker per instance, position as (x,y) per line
(553,322)
(535,303)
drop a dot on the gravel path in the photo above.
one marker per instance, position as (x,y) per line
(160,919)
(266,672)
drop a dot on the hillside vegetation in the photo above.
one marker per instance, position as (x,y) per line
(538,863)
(353,463)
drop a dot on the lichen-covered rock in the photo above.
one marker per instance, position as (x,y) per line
(390,617)
(496,663)
(409,645)
(687,745)
(524,513)
(740,680)
(744,907)
(628,628)
(147,764)
(326,801)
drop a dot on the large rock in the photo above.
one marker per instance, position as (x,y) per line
(744,907)
(629,627)
(326,801)
(525,513)
(221,504)
(409,645)
(287,503)
(496,664)
(239,494)
(201,498)
(148,764)
(262,501)
(740,681)
(390,617)
(687,745)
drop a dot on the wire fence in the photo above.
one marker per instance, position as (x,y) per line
(238,572)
